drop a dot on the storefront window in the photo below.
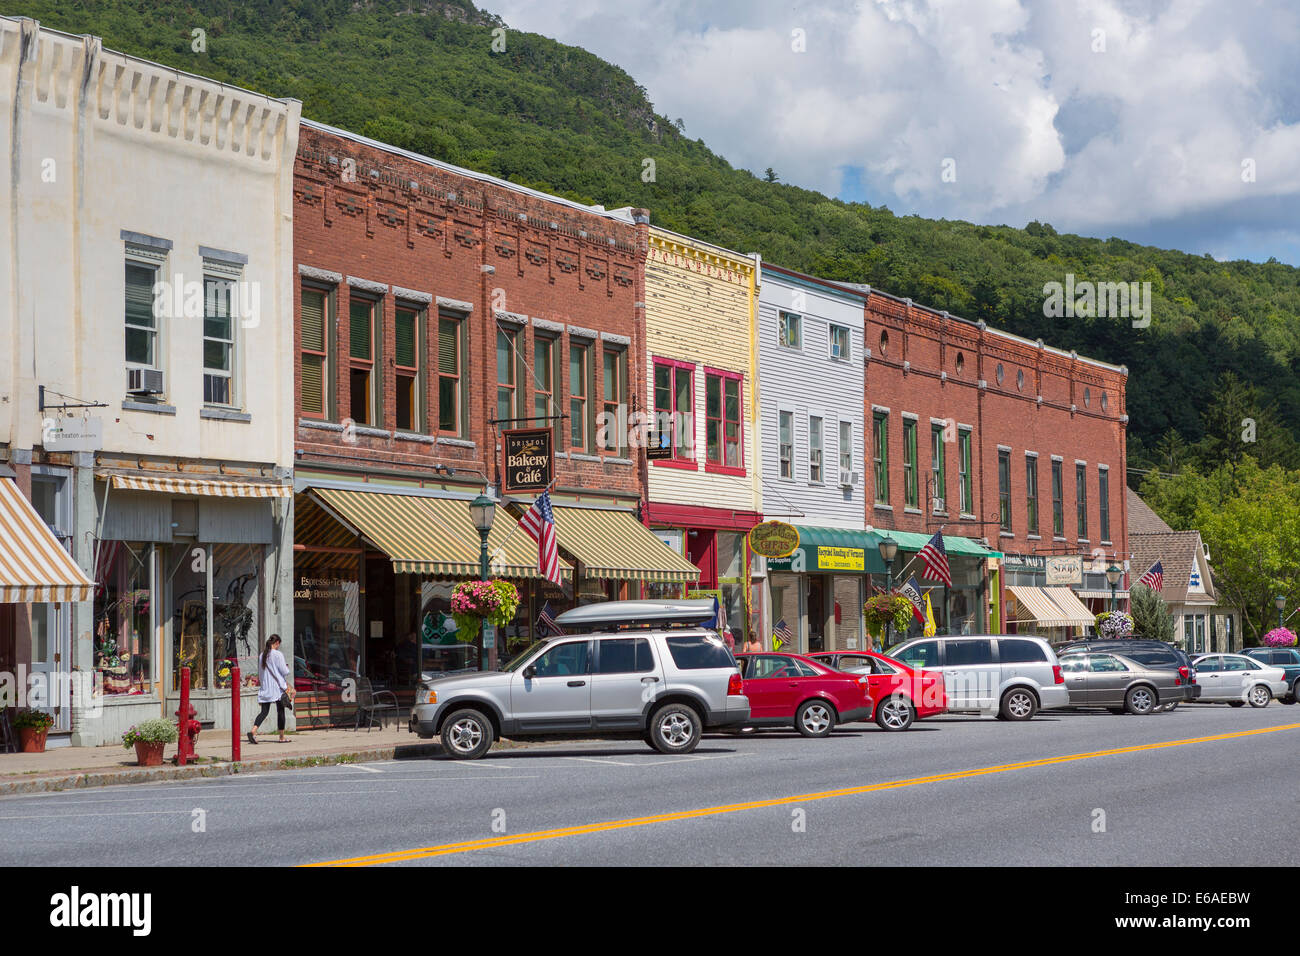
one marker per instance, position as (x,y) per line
(236,609)
(326,627)
(848,613)
(187,566)
(732,582)
(124,617)
(785,607)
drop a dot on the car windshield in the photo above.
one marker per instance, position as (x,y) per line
(523,656)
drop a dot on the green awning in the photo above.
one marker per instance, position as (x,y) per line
(832,551)
(912,541)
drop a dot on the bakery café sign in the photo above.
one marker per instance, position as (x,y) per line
(773,539)
(529,459)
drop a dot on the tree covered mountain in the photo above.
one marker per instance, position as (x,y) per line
(424,75)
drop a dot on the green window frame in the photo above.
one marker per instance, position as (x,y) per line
(408,336)
(452,411)
(880,451)
(1058,499)
(1081,497)
(937,481)
(964,477)
(1031,494)
(1103,500)
(911,482)
(314,377)
(1004,490)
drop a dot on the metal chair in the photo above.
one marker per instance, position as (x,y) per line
(373,704)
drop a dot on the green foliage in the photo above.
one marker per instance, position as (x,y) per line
(35,719)
(153,731)
(1151,616)
(425,77)
(882,610)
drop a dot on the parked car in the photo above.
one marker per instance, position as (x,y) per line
(1287,658)
(1118,683)
(645,668)
(1148,653)
(1237,680)
(902,695)
(1010,675)
(790,690)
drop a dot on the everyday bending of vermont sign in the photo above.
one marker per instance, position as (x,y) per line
(773,539)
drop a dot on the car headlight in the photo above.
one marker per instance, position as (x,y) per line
(426,695)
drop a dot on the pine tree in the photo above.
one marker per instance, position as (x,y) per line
(1151,618)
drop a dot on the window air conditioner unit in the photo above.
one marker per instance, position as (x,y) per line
(937,504)
(144,381)
(849,479)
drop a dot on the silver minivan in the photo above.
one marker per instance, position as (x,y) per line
(1012,676)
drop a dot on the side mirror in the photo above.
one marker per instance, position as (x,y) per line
(530,672)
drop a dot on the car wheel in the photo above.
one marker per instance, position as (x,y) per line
(815,718)
(1295,693)
(1139,700)
(1259,696)
(895,713)
(466,735)
(675,729)
(1019,703)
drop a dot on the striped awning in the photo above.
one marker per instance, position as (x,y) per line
(210,487)
(432,536)
(34,567)
(1120,594)
(1072,607)
(614,544)
(1042,609)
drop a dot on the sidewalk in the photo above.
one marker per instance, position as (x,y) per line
(73,767)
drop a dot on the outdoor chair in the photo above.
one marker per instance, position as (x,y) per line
(373,705)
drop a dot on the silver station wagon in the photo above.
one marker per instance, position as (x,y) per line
(1118,683)
(622,668)
(1011,676)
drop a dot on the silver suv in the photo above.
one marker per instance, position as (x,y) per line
(633,667)
(1010,675)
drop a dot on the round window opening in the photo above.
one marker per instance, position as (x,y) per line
(961,361)
(1000,373)
(1020,380)
(1104,403)
(1087,398)
(884,343)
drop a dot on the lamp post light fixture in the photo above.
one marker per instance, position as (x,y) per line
(1112,578)
(888,551)
(1279,602)
(482,510)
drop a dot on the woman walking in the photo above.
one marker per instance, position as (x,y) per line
(273,687)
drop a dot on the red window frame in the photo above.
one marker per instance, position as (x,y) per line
(723,376)
(674,365)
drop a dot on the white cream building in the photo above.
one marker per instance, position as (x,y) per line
(145,255)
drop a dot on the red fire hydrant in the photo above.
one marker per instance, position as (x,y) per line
(189,731)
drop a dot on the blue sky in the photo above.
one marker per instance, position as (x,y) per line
(1169,122)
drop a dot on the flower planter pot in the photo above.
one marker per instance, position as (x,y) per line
(149,753)
(32,740)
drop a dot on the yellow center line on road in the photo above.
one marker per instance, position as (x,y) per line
(400,856)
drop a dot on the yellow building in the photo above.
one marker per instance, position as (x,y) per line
(703,482)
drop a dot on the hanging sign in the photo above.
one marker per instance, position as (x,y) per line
(1066,570)
(773,539)
(528,459)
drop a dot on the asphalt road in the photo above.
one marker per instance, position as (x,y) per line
(957,790)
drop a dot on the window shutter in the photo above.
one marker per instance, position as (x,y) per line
(405,330)
(448,347)
(360,314)
(313,391)
(313,321)
(139,295)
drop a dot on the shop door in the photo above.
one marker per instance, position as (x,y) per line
(816,614)
(702,552)
(51,651)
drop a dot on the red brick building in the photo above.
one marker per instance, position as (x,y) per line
(1009,443)
(437,307)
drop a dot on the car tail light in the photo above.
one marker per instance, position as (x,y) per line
(1178,682)
(734,685)
(1059,678)
(1185,674)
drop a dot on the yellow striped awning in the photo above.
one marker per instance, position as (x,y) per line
(1039,604)
(210,487)
(1071,607)
(432,536)
(34,567)
(614,544)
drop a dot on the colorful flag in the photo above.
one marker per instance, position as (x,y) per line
(935,559)
(546,623)
(782,635)
(539,524)
(912,591)
(930,626)
(719,620)
(1154,578)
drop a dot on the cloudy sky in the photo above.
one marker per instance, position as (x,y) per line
(1170,122)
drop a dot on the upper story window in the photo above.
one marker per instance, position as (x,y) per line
(1058,500)
(452,411)
(408,326)
(509,362)
(363,347)
(314,384)
(938,489)
(674,406)
(546,356)
(846,446)
(1004,490)
(1103,500)
(614,379)
(911,480)
(840,343)
(816,441)
(1081,497)
(1031,494)
(786,439)
(880,423)
(218,341)
(964,478)
(141,321)
(790,330)
(582,383)
(722,408)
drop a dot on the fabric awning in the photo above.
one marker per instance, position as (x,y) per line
(34,566)
(953,544)
(209,487)
(614,544)
(431,536)
(1120,595)
(1044,610)
(1072,607)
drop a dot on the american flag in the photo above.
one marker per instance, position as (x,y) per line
(935,559)
(1154,578)
(539,524)
(782,635)
(546,623)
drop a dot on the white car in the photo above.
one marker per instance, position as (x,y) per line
(1237,679)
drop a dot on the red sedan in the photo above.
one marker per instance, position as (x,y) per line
(791,690)
(904,694)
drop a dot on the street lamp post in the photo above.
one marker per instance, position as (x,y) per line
(482,510)
(1112,578)
(1279,602)
(888,551)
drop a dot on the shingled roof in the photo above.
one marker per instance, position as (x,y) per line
(1176,550)
(1141,519)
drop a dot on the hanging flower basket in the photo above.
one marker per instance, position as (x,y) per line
(473,602)
(1115,624)
(885,609)
(1279,637)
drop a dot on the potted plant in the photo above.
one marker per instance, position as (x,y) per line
(885,609)
(473,602)
(1279,637)
(149,737)
(32,726)
(1114,624)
